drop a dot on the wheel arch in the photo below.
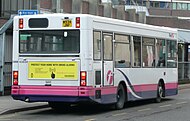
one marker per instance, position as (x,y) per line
(122,82)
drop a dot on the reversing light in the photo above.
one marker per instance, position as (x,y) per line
(77,22)
(21,23)
(83,78)
(15,77)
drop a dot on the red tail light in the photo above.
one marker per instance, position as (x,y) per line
(20,23)
(15,77)
(83,78)
(77,22)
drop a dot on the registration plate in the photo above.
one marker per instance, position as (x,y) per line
(67,23)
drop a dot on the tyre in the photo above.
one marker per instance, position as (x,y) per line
(121,97)
(160,93)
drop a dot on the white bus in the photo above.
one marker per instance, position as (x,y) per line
(70,58)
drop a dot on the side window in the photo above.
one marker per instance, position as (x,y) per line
(171,54)
(161,53)
(122,51)
(136,51)
(108,51)
(97,45)
(148,52)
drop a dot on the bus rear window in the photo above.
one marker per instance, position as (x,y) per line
(49,41)
(38,23)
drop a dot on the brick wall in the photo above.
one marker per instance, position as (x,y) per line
(126,15)
(168,12)
(131,14)
(46,4)
(161,21)
(2,22)
(100,10)
(85,7)
(114,13)
(67,6)
(158,11)
(181,13)
(173,22)
(120,12)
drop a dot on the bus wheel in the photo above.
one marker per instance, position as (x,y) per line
(160,93)
(59,105)
(121,96)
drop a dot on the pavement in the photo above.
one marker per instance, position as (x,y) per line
(8,105)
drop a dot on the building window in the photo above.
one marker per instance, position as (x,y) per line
(164,5)
(174,6)
(184,6)
(189,6)
(179,6)
(156,4)
(151,4)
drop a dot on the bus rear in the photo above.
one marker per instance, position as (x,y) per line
(47,59)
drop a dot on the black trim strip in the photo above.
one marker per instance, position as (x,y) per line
(49,56)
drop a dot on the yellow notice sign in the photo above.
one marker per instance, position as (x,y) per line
(53,70)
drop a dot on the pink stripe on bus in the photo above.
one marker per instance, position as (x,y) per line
(62,90)
(146,87)
(82,91)
(152,87)
(108,90)
(171,86)
(91,92)
(45,90)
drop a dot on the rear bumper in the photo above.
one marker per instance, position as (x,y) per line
(106,95)
(52,93)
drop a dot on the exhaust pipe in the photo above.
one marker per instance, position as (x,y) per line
(27,99)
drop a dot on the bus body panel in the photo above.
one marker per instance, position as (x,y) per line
(101,84)
(24,72)
(144,85)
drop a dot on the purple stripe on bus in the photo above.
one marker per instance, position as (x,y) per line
(151,94)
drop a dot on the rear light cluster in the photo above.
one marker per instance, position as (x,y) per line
(15,77)
(77,22)
(21,23)
(83,78)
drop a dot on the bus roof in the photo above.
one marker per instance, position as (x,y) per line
(93,18)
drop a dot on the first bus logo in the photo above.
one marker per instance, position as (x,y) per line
(109,77)
(171,35)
